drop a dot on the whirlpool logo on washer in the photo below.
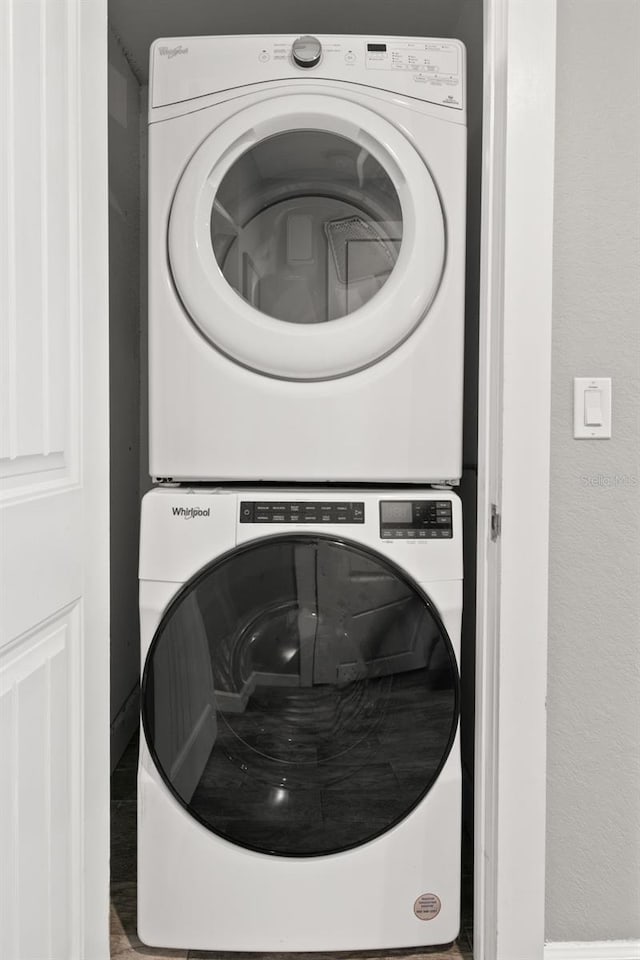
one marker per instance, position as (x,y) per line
(172,52)
(191,513)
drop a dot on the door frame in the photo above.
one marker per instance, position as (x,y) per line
(513,478)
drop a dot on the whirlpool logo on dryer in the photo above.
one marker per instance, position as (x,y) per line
(191,513)
(172,52)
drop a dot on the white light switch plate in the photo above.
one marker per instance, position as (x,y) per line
(592,401)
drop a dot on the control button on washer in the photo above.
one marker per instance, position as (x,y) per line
(246,513)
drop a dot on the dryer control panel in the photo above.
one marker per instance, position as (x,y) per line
(416,520)
(184,69)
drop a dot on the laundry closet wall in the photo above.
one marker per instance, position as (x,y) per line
(593,814)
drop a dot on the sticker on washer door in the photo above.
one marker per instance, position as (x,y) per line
(427,906)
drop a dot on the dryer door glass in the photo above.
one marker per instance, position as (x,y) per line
(306,226)
(300,696)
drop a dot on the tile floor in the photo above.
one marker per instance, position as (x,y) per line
(124,942)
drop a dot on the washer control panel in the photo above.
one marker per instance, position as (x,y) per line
(301,511)
(416,520)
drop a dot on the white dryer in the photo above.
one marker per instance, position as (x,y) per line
(306,258)
(299,784)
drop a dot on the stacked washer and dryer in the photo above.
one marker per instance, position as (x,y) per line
(299,782)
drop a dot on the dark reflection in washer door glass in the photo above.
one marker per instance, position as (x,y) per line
(300,697)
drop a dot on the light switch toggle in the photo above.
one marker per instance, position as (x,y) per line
(593,408)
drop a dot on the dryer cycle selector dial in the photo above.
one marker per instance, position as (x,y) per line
(306,51)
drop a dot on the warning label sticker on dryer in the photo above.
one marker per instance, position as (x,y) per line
(427,906)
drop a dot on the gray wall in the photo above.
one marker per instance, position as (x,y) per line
(593,833)
(124,371)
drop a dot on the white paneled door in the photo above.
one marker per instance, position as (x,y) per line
(54,498)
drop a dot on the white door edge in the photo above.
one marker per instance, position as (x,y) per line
(93,304)
(513,475)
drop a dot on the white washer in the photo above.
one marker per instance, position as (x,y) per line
(299,784)
(306,258)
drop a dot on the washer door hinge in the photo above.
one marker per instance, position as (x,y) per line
(496,523)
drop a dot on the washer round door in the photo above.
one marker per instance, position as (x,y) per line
(306,237)
(300,696)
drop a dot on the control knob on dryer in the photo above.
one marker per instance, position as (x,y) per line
(306,51)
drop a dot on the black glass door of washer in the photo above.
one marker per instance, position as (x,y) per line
(300,695)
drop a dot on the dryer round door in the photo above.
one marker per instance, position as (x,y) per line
(306,237)
(300,696)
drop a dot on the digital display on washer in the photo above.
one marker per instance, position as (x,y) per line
(377,47)
(416,520)
(396,511)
